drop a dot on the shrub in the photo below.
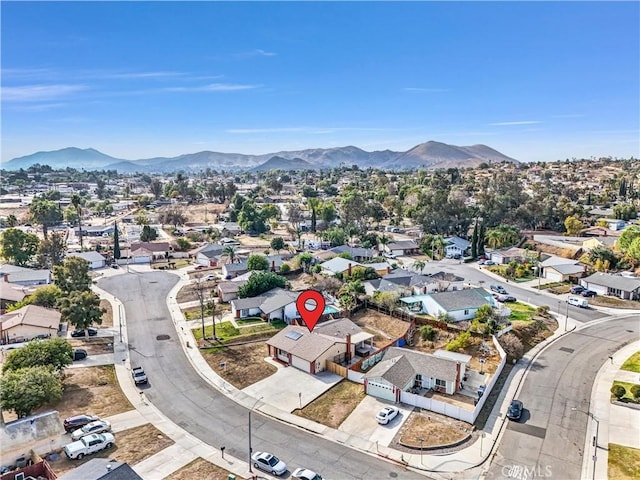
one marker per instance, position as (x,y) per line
(543,309)
(285,268)
(427,333)
(512,346)
(459,343)
(618,391)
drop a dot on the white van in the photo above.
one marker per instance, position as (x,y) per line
(578,302)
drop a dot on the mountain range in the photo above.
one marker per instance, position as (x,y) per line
(429,155)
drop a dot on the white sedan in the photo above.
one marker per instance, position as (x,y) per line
(305,474)
(99,426)
(387,414)
(269,463)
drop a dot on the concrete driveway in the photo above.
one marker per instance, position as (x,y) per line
(289,387)
(93,361)
(362,421)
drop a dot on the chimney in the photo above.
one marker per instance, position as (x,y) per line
(273,265)
(349,269)
(389,269)
(5,277)
(348,354)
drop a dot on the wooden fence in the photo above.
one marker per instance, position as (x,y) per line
(337,369)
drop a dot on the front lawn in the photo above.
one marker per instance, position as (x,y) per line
(226,332)
(628,397)
(433,429)
(240,365)
(334,406)
(521,312)
(624,462)
(632,363)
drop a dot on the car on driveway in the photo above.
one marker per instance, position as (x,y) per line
(577,289)
(78,421)
(209,278)
(588,293)
(387,414)
(99,426)
(498,289)
(269,463)
(515,410)
(489,262)
(90,444)
(305,474)
(83,333)
(79,354)
(506,298)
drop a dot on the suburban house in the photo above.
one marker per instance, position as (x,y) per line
(228,291)
(402,370)
(96,230)
(24,276)
(94,259)
(157,249)
(613,223)
(209,255)
(456,245)
(11,293)
(560,269)
(356,253)
(597,241)
(410,283)
(627,288)
(401,247)
(508,255)
(274,304)
(28,322)
(231,270)
(336,340)
(459,305)
(339,265)
(101,469)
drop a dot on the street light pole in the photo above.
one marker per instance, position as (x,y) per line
(421,440)
(250,447)
(566,317)
(595,439)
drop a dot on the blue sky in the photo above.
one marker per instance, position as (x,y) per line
(536,81)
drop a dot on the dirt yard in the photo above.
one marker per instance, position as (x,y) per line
(433,428)
(244,364)
(200,469)
(534,332)
(93,345)
(334,406)
(107,317)
(203,213)
(385,327)
(132,446)
(301,281)
(92,390)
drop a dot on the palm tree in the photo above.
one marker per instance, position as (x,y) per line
(230,252)
(76,201)
(437,243)
(493,238)
(419,265)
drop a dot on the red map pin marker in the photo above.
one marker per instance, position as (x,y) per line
(310,305)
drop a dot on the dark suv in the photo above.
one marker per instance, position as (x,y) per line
(577,289)
(78,421)
(588,293)
(83,333)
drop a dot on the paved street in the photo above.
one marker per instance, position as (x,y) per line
(183,396)
(550,438)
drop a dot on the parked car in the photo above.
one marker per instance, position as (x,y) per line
(200,267)
(515,410)
(506,298)
(578,302)
(209,278)
(269,463)
(489,262)
(79,354)
(305,474)
(114,265)
(99,426)
(83,333)
(139,377)
(588,293)
(90,444)
(577,289)
(78,421)
(498,289)
(387,414)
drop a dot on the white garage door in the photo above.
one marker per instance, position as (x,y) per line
(553,276)
(380,391)
(301,364)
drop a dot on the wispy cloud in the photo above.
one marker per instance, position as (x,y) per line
(426,90)
(264,53)
(37,107)
(510,124)
(213,87)
(35,93)
(143,75)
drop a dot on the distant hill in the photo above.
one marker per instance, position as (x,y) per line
(428,155)
(281,163)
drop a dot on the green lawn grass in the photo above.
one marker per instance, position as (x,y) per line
(632,363)
(624,462)
(225,331)
(521,312)
(627,396)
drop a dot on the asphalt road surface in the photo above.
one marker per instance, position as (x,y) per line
(184,397)
(550,438)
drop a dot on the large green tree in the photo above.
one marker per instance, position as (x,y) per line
(277,243)
(72,275)
(17,246)
(27,389)
(257,262)
(44,297)
(81,309)
(45,213)
(76,202)
(260,282)
(56,352)
(51,250)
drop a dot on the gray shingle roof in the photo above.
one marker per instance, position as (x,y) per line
(618,282)
(462,299)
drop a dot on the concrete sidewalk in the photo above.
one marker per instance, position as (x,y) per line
(610,423)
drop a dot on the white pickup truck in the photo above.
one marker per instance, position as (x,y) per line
(90,444)
(139,376)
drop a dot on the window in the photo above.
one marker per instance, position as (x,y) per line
(440,383)
(418,377)
(466,312)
